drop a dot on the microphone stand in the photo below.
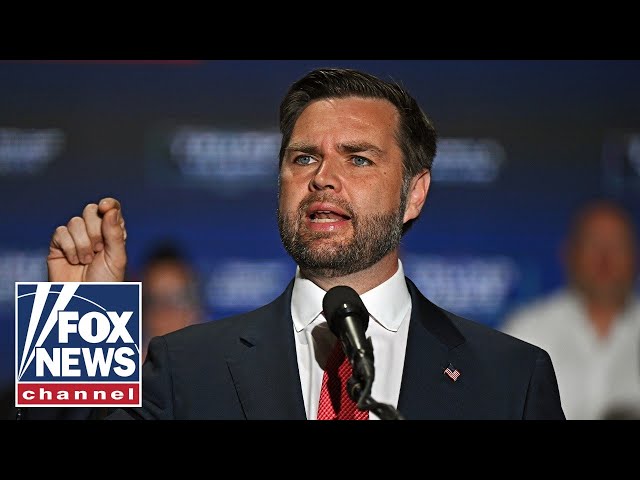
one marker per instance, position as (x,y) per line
(364,401)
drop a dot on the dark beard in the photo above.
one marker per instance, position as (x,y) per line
(374,237)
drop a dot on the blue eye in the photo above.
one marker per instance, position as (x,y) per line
(304,160)
(360,161)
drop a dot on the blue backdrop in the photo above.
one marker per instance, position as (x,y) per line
(190,148)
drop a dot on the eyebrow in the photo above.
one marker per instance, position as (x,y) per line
(356,147)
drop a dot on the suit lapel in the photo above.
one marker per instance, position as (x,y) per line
(426,392)
(265,368)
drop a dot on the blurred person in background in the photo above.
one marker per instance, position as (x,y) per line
(591,326)
(171,297)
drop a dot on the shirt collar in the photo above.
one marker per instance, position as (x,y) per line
(306,301)
(577,302)
(387,303)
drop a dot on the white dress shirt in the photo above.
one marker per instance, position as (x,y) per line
(595,375)
(389,306)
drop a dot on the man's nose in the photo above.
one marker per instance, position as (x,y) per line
(327,175)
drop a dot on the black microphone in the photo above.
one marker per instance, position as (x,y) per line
(348,319)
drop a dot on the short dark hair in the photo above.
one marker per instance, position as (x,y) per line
(416,134)
(165,250)
(168,251)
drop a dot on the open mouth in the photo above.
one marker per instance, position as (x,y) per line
(327,216)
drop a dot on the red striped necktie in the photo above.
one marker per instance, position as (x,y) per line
(335,402)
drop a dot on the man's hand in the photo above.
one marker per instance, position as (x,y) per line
(90,248)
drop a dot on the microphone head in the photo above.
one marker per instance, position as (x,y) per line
(340,302)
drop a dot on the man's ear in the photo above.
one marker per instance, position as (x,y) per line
(417,195)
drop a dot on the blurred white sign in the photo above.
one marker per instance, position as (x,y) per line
(467,160)
(20,266)
(469,285)
(621,161)
(247,284)
(28,151)
(633,152)
(225,155)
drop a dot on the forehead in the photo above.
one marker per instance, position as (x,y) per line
(604,218)
(166,271)
(350,114)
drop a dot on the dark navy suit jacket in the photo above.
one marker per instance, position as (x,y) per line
(245,367)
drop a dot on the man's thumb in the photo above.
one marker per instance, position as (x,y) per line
(114,239)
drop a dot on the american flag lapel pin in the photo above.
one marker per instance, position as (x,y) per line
(452,372)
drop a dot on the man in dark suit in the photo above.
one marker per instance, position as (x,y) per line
(355,170)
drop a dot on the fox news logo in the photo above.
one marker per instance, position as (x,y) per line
(78,344)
